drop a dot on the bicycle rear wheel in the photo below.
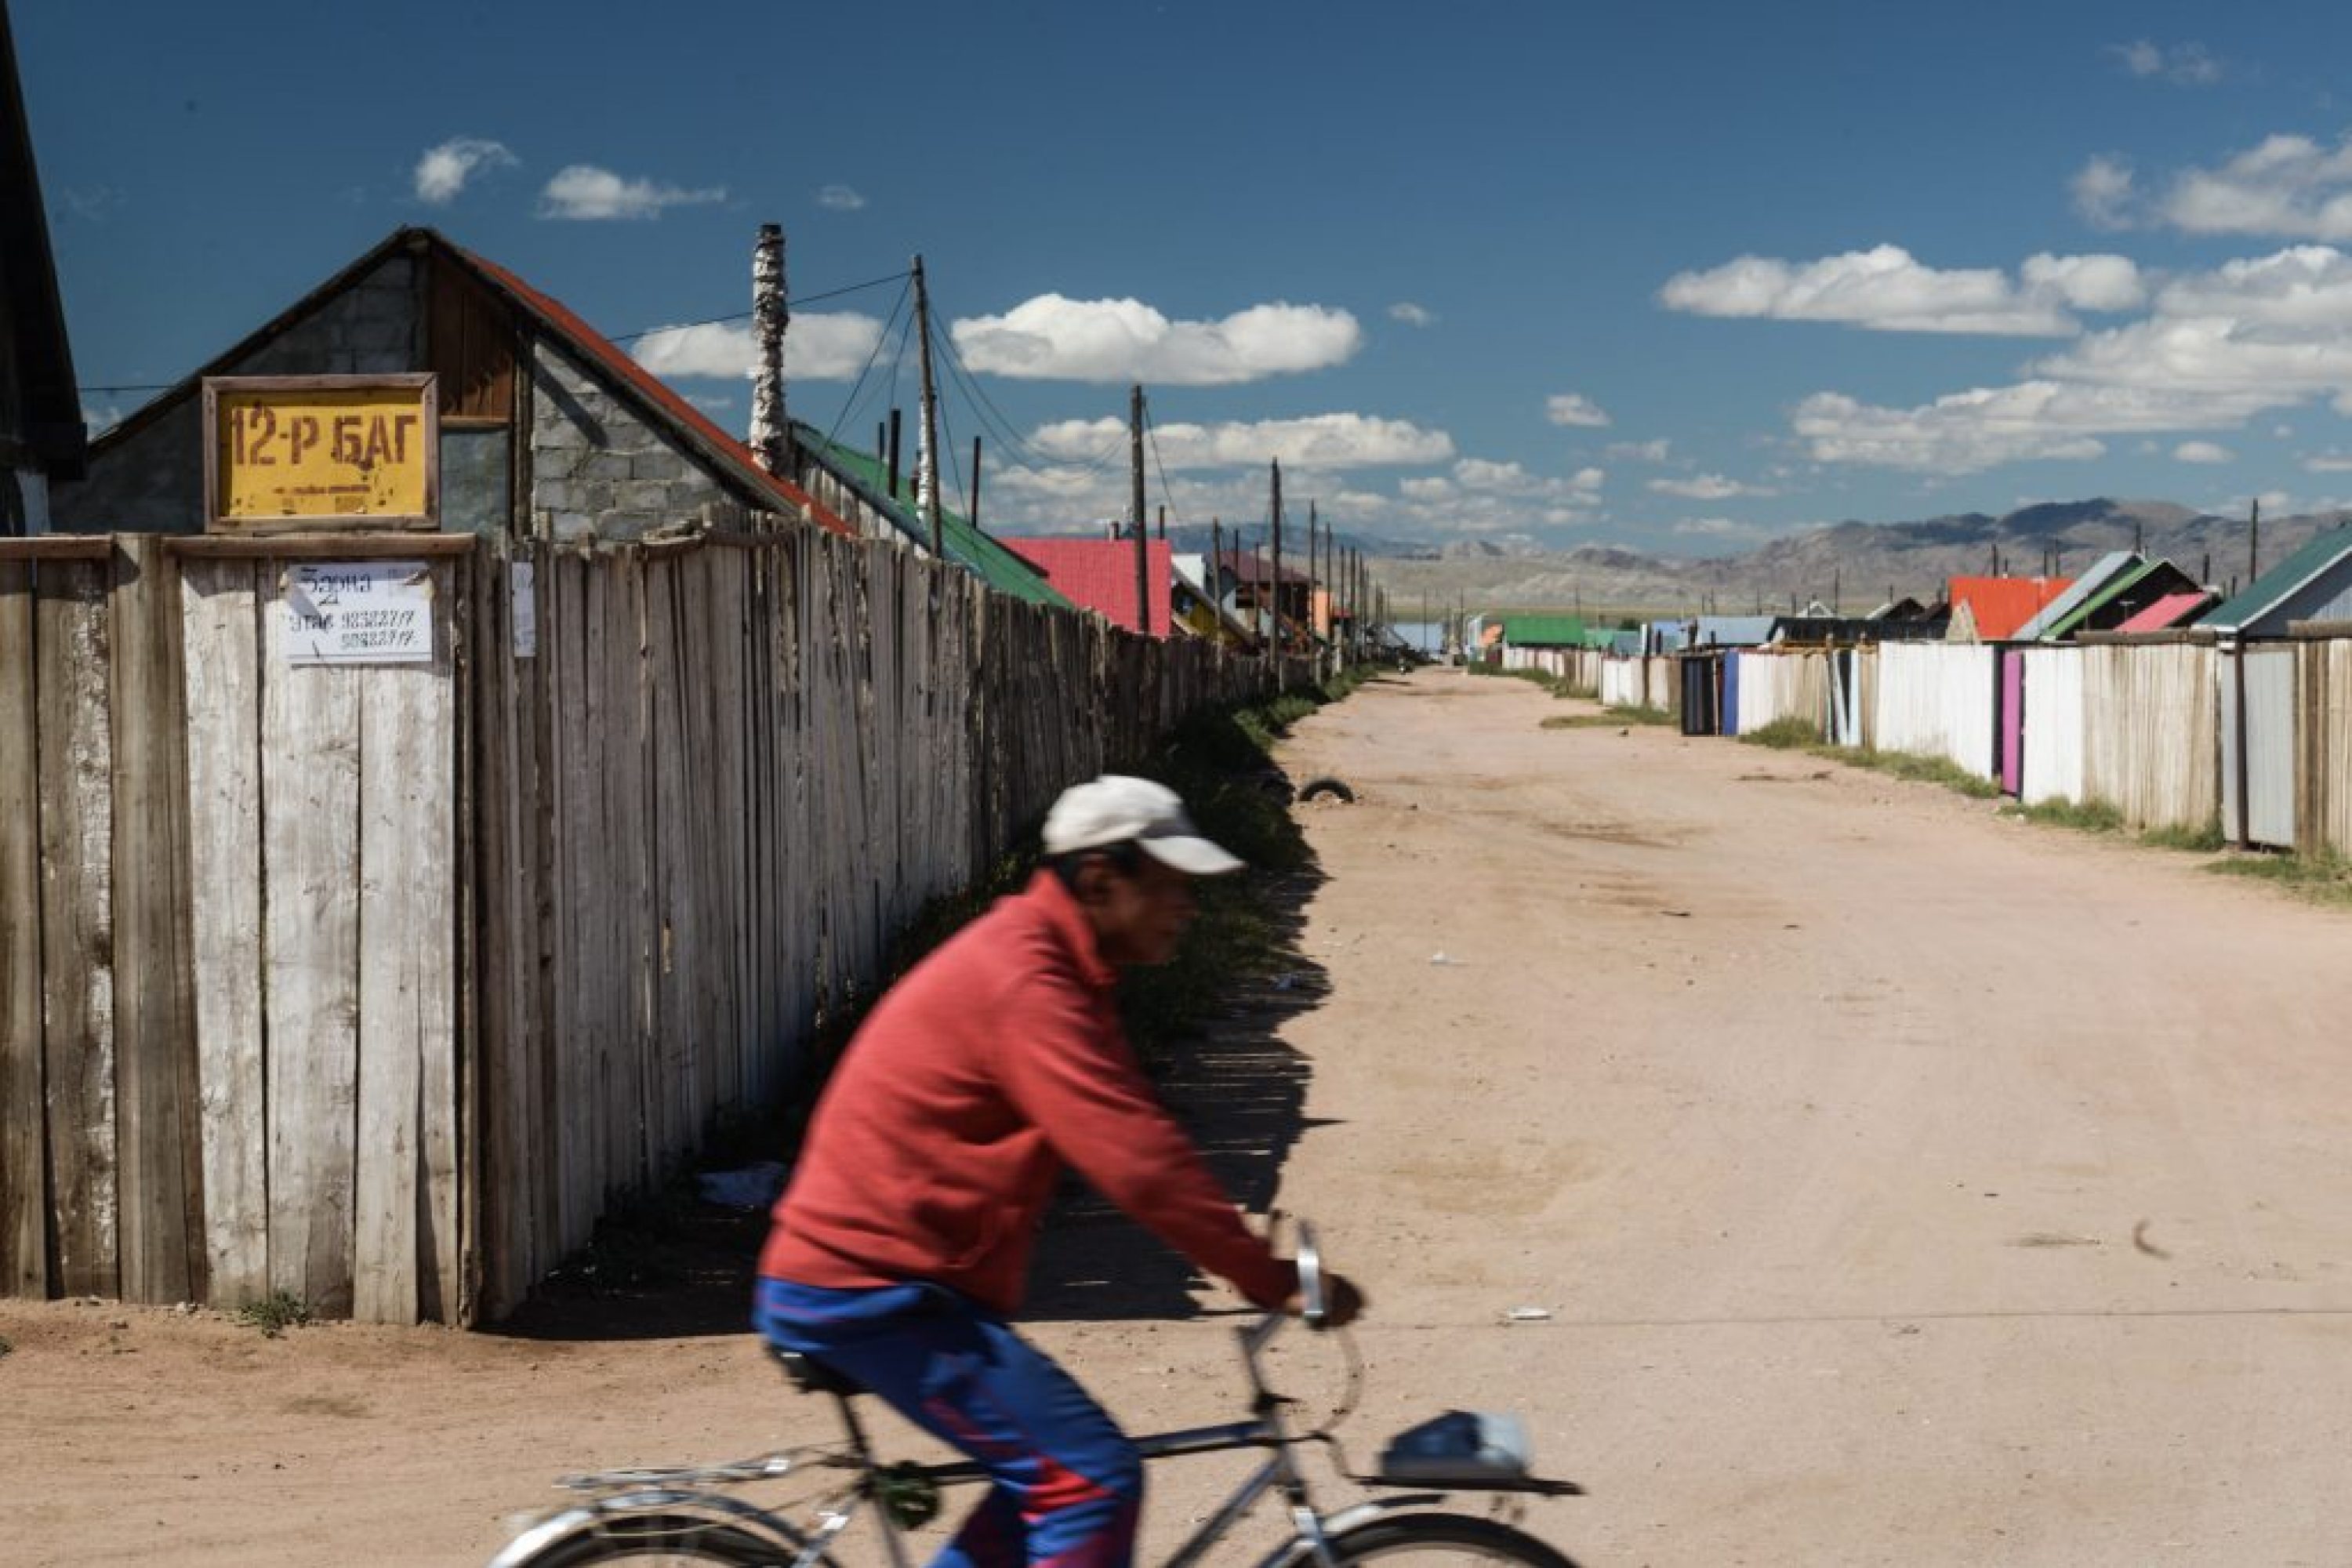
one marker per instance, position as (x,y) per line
(651,1540)
(1438,1540)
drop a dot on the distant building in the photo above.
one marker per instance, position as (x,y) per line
(2315,583)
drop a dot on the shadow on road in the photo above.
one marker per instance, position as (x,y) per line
(680,1269)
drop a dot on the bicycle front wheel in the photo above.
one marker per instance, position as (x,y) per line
(651,1540)
(1440,1539)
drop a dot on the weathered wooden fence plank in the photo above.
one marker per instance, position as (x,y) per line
(72,643)
(220,630)
(157,1134)
(404,1194)
(310,936)
(24,1182)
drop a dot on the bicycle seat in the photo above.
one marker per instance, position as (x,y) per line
(814,1376)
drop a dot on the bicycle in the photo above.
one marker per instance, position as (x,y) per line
(650,1516)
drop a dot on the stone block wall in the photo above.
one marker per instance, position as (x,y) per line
(597,470)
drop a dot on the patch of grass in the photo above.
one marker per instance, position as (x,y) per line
(1790,735)
(1911,765)
(275,1313)
(2321,878)
(2203,840)
(1608,719)
(2085,816)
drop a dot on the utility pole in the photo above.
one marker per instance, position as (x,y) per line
(1216,566)
(2254,544)
(927,461)
(1312,636)
(975,484)
(1135,475)
(1276,520)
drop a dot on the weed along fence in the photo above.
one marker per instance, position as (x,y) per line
(373,983)
(2253,742)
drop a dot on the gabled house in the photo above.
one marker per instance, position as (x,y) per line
(42,440)
(2122,596)
(548,429)
(2092,585)
(1261,598)
(2315,583)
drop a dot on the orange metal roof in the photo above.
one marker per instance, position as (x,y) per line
(2001,605)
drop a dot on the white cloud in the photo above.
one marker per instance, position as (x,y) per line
(817,348)
(1638,451)
(840,199)
(1707,486)
(1411,315)
(2183,65)
(443,171)
(584,191)
(1054,338)
(2287,185)
(2203,452)
(1574,409)
(1724,529)
(1885,288)
(1322,441)
(2102,193)
(2328,463)
(2217,349)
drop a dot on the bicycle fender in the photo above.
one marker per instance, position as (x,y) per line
(1298,1549)
(545,1532)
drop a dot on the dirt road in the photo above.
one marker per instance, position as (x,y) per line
(1901,1185)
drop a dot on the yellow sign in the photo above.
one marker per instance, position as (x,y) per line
(288,452)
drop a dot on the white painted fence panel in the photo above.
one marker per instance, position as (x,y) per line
(2053,725)
(1936,699)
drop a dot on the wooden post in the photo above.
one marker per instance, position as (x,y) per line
(892,493)
(975,483)
(927,459)
(1276,522)
(1135,480)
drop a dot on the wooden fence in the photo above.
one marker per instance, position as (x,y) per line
(374,984)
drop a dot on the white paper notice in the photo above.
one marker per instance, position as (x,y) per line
(358,612)
(524,576)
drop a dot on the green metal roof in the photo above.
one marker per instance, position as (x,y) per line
(1544,631)
(967,545)
(2265,592)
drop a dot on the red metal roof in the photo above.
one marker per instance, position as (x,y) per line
(2169,611)
(588,341)
(1098,574)
(2001,605)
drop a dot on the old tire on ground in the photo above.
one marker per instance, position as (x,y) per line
(1327,785)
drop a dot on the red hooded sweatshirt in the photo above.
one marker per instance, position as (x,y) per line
(996,1061)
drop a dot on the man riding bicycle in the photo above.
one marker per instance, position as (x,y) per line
(902,1244)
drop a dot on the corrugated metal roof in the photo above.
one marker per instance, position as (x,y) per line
(2001,605)
(2173,609)
(1098,574)
(2323,555)
(2144,576)
(2103,571)
(1544,631)
(969,547)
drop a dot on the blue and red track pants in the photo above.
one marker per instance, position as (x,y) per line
(1070,1486)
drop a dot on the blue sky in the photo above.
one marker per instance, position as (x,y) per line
(1683,279)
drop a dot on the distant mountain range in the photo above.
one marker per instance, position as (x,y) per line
(1858,565)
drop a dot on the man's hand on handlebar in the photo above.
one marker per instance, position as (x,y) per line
(1343,1302)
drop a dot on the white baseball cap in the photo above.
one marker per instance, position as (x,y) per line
(1116,809)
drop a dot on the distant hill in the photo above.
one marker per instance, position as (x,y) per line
(1858,563)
